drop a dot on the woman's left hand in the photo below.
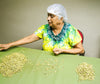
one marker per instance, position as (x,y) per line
(57,51)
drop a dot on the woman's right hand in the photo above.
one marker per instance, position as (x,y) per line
(4,46)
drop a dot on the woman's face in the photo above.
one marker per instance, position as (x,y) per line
(53,20)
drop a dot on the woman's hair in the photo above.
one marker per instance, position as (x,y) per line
(59,10)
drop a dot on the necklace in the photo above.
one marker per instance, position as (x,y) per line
(59,36)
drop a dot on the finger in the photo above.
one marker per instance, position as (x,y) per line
(1,49)
(56,53)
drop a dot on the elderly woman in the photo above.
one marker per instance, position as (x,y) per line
(58,35)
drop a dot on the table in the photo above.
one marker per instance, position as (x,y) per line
(38,69)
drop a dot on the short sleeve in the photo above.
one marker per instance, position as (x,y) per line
(74,36)
(39,31)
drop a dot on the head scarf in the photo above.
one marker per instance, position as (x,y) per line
(59,10)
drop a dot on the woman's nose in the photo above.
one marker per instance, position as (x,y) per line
(48,18)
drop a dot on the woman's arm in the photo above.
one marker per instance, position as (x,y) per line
(26,40)
(78,49)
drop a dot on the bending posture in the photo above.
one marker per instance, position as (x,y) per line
(58,35)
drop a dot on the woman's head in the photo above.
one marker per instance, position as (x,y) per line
(58,10)
(53,20)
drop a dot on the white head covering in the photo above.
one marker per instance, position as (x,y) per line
(59,10)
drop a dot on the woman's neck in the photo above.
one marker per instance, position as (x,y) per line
(57,28)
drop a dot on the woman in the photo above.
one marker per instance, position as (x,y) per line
(58,35)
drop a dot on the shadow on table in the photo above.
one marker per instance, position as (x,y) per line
(8,49)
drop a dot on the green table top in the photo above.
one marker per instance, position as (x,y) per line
(37,70)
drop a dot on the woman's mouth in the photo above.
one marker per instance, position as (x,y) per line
(49,22)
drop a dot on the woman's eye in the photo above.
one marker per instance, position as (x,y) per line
(52,16)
